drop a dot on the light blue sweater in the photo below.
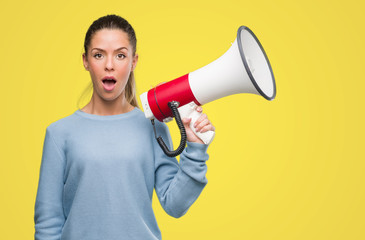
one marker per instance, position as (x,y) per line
(98,173)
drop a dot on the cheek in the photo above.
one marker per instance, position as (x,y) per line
(95,69)
(124,68)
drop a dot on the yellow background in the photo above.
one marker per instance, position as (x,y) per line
(291,168)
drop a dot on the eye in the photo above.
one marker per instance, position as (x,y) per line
(97,55)
(121,55)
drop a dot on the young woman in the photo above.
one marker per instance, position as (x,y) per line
(100,164)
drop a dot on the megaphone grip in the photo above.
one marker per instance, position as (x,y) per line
(188,111)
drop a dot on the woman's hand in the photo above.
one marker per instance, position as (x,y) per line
(201,125)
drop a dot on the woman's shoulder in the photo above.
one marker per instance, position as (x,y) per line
(143,121)
(61,125)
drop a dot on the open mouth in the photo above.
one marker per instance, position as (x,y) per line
(109,84)
(109,81)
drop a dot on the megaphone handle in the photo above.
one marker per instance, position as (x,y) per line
(189,111)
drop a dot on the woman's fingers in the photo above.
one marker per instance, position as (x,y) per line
(206,128)
(200,119)
(202,124)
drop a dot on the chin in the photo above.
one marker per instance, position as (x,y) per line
(110,97)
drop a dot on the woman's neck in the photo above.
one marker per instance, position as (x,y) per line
(99,106)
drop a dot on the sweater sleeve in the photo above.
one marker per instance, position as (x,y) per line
(48,211)
(179,185)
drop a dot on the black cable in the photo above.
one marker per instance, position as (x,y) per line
(173,106)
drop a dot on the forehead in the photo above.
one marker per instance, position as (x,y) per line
(109,39)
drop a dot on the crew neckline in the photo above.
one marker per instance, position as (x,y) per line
(106,117)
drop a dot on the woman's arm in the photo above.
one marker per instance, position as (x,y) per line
(48,211)
(179,185)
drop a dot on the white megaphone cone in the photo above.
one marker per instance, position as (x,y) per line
(244,68)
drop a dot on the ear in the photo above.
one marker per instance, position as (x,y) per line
(84,60)
(134,62)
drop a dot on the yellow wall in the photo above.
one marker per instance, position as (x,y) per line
(291,168)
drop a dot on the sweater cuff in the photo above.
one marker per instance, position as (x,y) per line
(197,151)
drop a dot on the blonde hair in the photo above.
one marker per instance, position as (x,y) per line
(130,91)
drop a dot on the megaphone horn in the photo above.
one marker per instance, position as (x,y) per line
(244,68)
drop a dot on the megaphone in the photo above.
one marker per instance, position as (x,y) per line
(244,68)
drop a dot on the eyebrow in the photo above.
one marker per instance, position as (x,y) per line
(102,50)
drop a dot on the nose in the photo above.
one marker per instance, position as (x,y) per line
(109,64)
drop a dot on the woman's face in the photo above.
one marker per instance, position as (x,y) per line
(110,56)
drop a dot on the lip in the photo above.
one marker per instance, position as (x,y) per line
(106,87)
(108,77)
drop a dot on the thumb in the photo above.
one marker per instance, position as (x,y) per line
(186,121)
